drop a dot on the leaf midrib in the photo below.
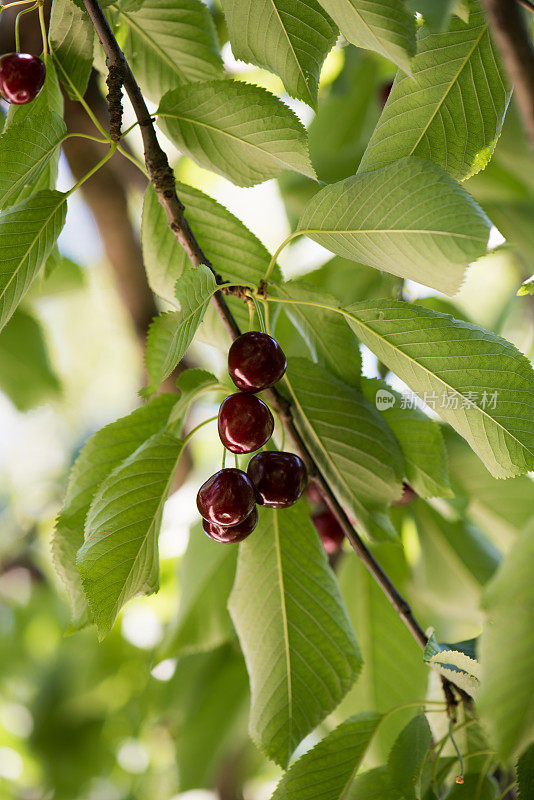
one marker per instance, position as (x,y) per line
(452,83)
(285,627)
(157,49)
(292,50)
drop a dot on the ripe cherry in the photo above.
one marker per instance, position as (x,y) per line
(236,533)
(21,77)
(227,498)
(255,362)
(279,478)
(245,423)
(329,530)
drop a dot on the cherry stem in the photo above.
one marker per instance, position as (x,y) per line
(162,178)
(223,460)
(453,740)
(43,31)
(92,171)
(277,252)
(17,24)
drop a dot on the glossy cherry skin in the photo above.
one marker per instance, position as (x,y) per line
(279,478)
(245,423)
(21,77)
(255,362)
(329,530)
(227,498)
(232,535)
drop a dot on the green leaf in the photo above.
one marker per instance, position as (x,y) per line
(206,577)
(26,148)
(72,41)
(430,239)
(420,439)
(28,232)
(525,773)
(237,130)
(454,363)
(354,448)
(393,671)
(386,26)
(122,527)
(291,39)
(372,785)
(452,109)
(300,650)
(483,787)
(407,757)
(104,451)
(26,375)
(168,44)
(463,549)
(501,508)
(527,287)
(227,243)
(191,383)
(327,770)
(171,334)
(330,340)
(207,708)
(506,703)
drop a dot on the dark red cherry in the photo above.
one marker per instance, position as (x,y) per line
(255,362)
(21,77)
(245,423)
(384,93)
(329,530)
(234,534)
(227,498)
(407,497)
(279,478)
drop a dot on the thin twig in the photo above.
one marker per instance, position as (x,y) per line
(162,178)
(514,42)
(527,4)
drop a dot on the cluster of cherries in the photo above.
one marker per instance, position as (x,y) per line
(21,77)
(227,501)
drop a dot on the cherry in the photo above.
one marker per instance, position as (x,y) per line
(21,77)
(279,478)
(227,498)
(236,533)
(255,362)
(245,423)
(384,93)
(329,530)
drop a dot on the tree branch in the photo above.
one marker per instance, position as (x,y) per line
(513,39)
(162,178)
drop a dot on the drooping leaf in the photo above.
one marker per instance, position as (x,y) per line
(228,244)
(26,148)
(171,334)
(207,575)
(406,759)
(104,451)
(506,702)
(207,708)
(452,109)
(327,770)
(393,671)
(420,439)
(168,44)
(330,340)
(525,773)
(352,444)
(237,130)
(300,650)
(291,39)
(372,785)
(72,41)
(26,375)
(28,232)
(476,381)
(122,527)
(386,26)
(430,239)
